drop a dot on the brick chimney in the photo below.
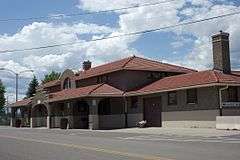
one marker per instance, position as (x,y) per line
(87,65)
(221,53)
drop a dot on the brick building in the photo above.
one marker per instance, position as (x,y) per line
(121,93)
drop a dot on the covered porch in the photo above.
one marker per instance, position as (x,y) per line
(21,114)
(89,113)
(98,106)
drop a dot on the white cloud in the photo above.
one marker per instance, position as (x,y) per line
(201,55)
(141,18)
(59,58)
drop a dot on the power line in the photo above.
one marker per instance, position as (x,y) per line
(86,13)
(127,34)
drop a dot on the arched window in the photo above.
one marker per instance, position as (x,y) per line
(67,83)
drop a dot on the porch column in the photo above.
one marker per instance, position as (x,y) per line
(93,115)
(125,111)
(31,118)
(48,122)
(49,108)
(12,120)
(70,115)
(31,122)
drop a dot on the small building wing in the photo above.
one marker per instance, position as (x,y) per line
(24,102)
(194,80)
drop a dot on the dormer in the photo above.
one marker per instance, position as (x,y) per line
(66,79)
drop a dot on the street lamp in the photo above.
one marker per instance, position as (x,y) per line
(17,77)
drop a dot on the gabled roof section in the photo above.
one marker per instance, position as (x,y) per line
(132,63)
(22,103)
(98,90)
(51,83)
(103,69)
(138,63)
(194,80)
(106,90)
(72,93)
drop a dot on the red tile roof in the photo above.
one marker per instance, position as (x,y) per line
(129,63)
(106,90)
(189,80)
(51,83)
(236,72)
(132,63)
(72,93)
(93,90)
(21,103)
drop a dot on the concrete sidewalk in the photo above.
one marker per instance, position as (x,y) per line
(202,132)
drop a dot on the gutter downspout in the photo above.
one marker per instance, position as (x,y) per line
(220,98)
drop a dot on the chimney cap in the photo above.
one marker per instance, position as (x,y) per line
(86,61)
(221,33)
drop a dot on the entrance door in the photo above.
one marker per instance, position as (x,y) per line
(39,114)
(152,111)
(82,114)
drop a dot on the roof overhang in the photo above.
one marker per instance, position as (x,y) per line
(85,96)
(181,88)
(99,90)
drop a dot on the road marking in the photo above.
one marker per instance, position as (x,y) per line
(96,149)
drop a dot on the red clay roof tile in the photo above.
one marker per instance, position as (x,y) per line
(188,80)
(236,72)
(93,90)
(21,103)
(132,63)
(106,90)
(129,63)
(51,83)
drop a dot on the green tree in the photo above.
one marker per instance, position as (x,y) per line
(2,97)
(32,87)
(51,76)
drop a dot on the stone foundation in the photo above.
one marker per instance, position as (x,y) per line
(190,119)
(111,121)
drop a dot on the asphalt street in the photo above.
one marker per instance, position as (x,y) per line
(55,144)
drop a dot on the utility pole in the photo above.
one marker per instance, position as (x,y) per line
(17,77)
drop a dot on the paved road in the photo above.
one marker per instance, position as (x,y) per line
(44,144)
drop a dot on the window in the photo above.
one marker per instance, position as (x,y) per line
(102,79)
(134,102)
(192,96)
(156,75)
(232,94)
(67,83)
(172,98)
(104,107)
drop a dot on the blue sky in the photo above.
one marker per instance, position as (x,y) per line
(189,46)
